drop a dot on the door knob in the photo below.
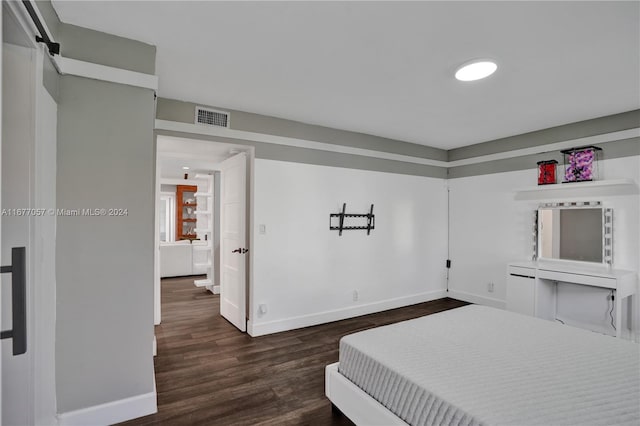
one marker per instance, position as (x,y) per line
(240,250)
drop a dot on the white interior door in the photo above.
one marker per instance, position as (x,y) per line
(233,241)
(18,135)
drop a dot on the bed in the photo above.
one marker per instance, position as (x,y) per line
(477,365)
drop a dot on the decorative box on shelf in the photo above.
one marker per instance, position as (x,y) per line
(547,172)
(581,164)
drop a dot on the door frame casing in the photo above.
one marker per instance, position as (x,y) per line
(250,153)
(43,255)
(157,305)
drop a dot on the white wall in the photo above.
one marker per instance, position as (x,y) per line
(490,229)
(104,264)
(487,230)
(306,274)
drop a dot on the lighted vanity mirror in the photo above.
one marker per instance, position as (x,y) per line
(576,232)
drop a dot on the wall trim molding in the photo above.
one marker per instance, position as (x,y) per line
(195,129)
(112,412)
(556,146)
(479,300)
(69,66)
(292,323)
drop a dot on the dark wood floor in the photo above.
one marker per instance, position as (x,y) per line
(209,373)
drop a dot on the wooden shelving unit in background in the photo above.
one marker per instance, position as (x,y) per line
(185,212)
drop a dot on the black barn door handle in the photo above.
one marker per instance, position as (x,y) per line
(18,271)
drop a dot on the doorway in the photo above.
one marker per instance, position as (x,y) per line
(212,167)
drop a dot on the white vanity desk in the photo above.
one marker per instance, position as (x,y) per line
(532,286)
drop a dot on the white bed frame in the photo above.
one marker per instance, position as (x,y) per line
(500,403)
(354,403)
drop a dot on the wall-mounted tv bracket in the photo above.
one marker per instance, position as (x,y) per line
(371,220)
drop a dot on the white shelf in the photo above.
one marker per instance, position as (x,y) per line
(598,188)
(204,227)
(202,283)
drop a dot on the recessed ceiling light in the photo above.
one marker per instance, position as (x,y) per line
(476,70)
(185,168)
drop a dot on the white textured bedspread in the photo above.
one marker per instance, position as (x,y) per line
(478,365)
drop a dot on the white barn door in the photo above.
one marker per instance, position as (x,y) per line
(233,241)
(1,55)
(17,171)
(27,226)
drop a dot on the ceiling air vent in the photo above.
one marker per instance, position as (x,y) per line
(211,117)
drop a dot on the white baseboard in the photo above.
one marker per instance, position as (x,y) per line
(111,412)
(292,323)
(474,298)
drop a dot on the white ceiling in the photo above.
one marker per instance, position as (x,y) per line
(202,157)
(386,68)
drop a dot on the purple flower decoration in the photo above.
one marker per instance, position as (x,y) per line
(580,166)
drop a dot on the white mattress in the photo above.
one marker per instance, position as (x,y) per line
(479,365)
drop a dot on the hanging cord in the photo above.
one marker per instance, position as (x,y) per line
(611,311)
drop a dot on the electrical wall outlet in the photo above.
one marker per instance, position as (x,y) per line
(490,287)
(262,229)
(355,295)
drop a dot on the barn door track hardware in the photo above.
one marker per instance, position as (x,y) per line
(339,218)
